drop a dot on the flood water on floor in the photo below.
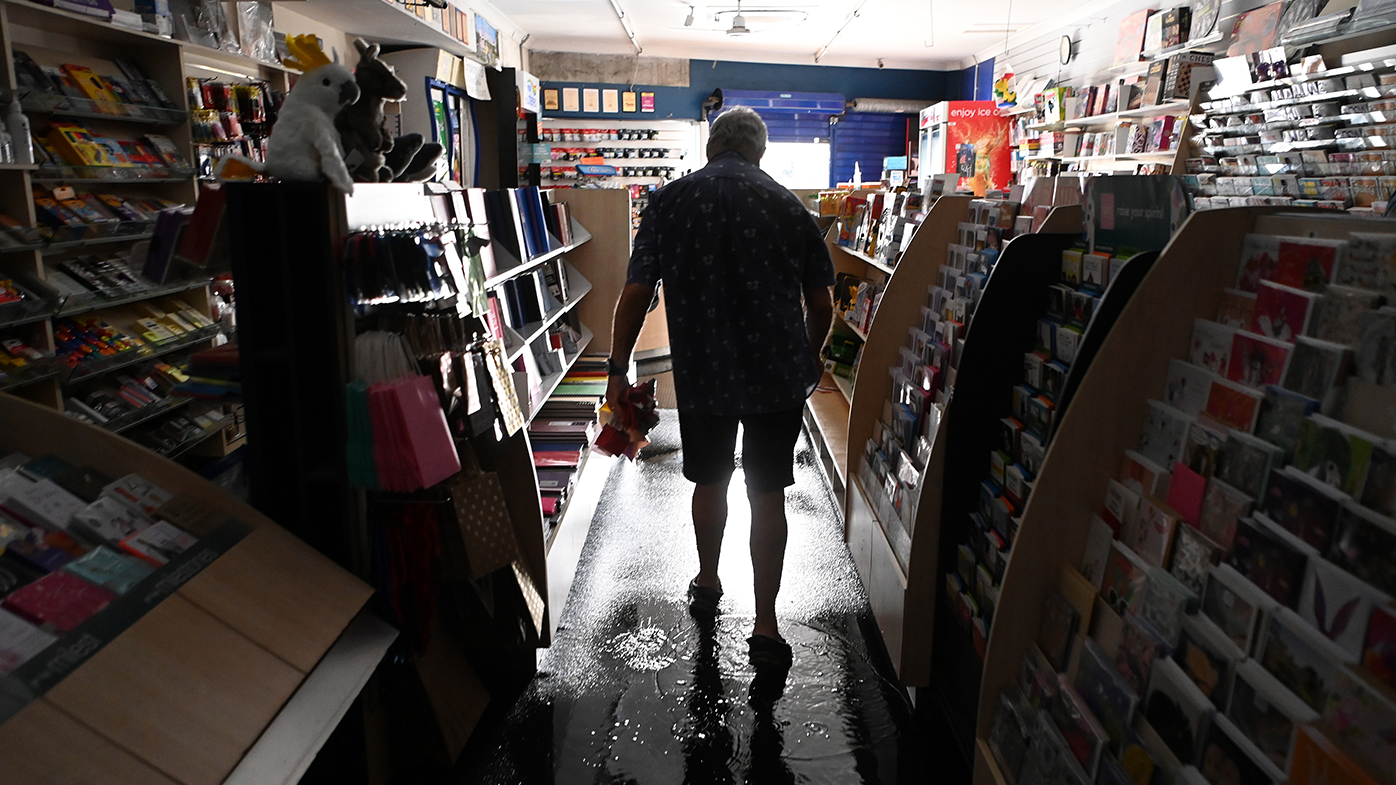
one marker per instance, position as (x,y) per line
(634,690)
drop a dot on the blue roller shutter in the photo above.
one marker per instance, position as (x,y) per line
(790,117)
(867,138)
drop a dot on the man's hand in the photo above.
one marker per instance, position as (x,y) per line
(616,388)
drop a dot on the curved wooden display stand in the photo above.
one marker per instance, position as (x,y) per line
(184,692)
(902,596)
(1106,419)
(991,364)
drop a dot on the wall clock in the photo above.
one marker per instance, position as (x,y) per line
(1064,50)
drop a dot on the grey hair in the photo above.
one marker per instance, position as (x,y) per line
(739,128)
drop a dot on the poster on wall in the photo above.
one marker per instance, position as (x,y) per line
(550,99)
(610,101)
(977,146)
(627,101)
(646,102)
(486,42)
(1126,215)
(571,100)
(591,99)
(530,93)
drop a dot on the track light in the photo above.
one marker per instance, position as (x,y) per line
(688,20)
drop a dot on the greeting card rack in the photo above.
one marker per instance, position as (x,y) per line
(1185,283)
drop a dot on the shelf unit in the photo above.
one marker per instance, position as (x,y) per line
(384,23)
(898,567)
(1130,367)
(54,36)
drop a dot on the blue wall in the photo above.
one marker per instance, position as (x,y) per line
(685,103)
(975,83)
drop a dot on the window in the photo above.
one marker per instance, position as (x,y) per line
(798,164)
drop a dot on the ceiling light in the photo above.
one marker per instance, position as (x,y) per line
(625,23)
(738,26)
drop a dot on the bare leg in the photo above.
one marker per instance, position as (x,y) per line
(709,522)
(767,556)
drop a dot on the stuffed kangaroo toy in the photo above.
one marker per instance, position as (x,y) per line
(362,130)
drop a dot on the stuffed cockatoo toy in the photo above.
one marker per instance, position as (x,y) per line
(304,144)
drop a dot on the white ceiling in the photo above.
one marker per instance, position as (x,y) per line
(925,34)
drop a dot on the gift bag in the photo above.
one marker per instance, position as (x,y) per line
(483,522)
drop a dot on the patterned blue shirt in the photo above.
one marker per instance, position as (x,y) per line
(735,250)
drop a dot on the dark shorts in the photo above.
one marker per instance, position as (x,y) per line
(768,448)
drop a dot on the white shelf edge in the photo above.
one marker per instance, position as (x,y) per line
(551,382)
(542,326)
(290,743)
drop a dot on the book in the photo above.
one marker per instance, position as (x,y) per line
(1303,506)
(1338,311)
(1281,312)
(1363,544)
(1361,716)
(1316,760)
(1267,713)
(1165,432)
(1154,535)
(1246,463)
(109,569)
(1235,605)
(1379,647)
(1122,587)
(158,544)
(1140,645)
(1084,735)
(1367,262)
(1270,557)
(1106,693)
(1228,756)
(1334,453)
(1338,605)
(20,641)
(1233,403)
(1187,386)
(1057,631)
(1193,555)
(1298,656)
(1256,361)
(1142,475)
(1236,308)
(1281,413)
(1211,346)
(1208,657)
(1316,367)
(1187,488)
(1130,42)
(1202,453)
(1166,602)
(1097,551)
(1222,507)
(1255,30)
(58,601)
(1177,710)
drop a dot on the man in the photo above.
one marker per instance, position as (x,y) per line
(737,253)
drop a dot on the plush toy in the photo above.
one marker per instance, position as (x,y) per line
(412,159)
(361,127)
(304,144)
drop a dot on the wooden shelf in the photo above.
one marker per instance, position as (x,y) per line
(579,236)
(550,382)
(901,586)
(858,331)
(535,330)
(845,387)
(883,266)
(1103,420)
(30,14)
(384,23)
(829,407)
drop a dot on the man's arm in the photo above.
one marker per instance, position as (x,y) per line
(631,308)
(819,316)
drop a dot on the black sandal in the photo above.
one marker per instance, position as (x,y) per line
(703,601)
(767,652)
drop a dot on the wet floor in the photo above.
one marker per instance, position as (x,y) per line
(633,690)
